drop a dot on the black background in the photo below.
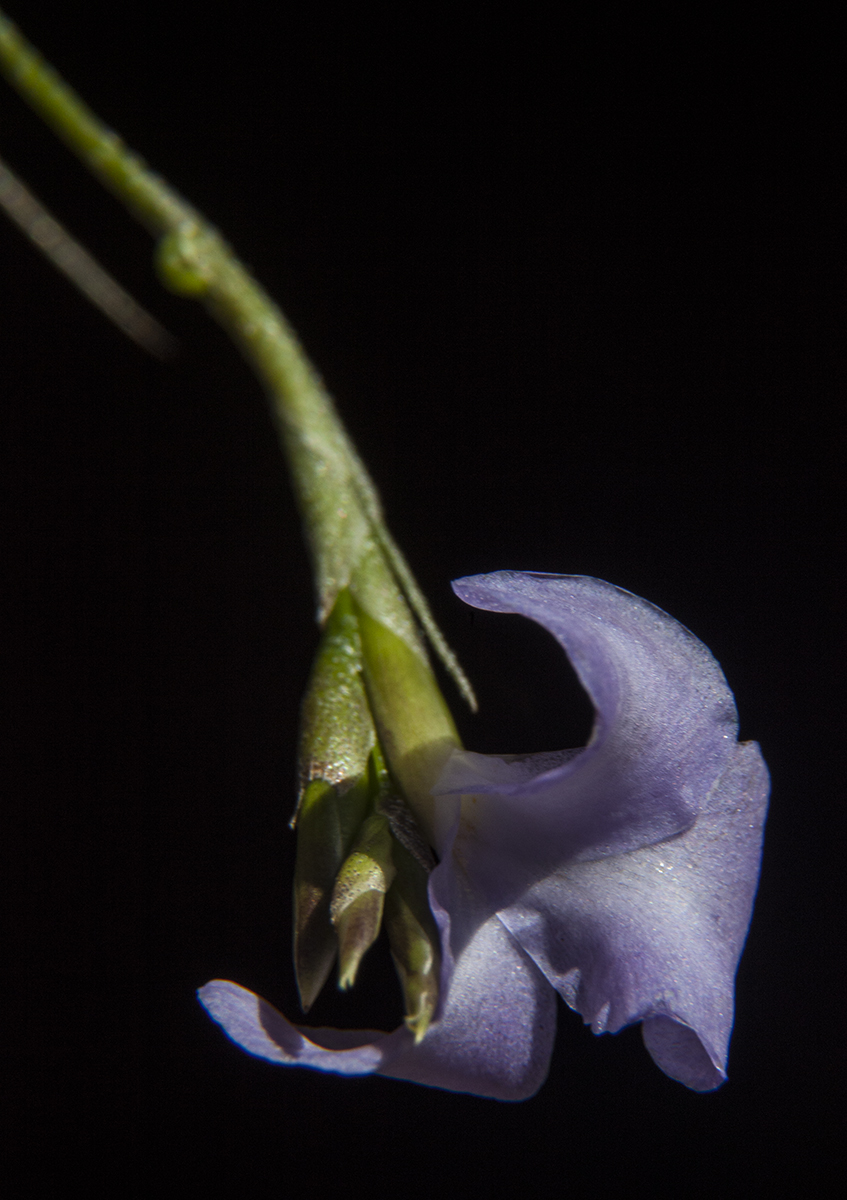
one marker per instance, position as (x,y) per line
(577,287)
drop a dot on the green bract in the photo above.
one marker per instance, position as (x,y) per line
(376,731)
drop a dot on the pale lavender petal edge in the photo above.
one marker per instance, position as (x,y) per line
(263,1031)
(665,726)
(494,1038)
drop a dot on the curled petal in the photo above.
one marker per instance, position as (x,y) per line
(493,1036)
(664,730)
(496,1034)
(627,870)
(260,1029)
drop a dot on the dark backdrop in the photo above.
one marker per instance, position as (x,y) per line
(576,285)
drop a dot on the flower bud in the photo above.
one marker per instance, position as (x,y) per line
(415,727)
(359,894)
(414,940)
(337,735)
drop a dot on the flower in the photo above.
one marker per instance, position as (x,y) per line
(621,875)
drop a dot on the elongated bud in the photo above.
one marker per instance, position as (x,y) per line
(359,894)
(414,940)
(336,728)
(371,682)
(415,727)
(320,851)
(337,735)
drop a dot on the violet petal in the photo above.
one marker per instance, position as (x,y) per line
(655,933)
(664,730)
(493,1038)
(623,873)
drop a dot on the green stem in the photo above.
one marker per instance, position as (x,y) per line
(372,685)
(148,196)
(337,498)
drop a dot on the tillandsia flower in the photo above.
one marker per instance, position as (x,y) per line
(622,874)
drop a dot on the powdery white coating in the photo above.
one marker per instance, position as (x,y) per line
(622,874)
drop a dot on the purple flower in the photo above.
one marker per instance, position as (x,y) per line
(622,875)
